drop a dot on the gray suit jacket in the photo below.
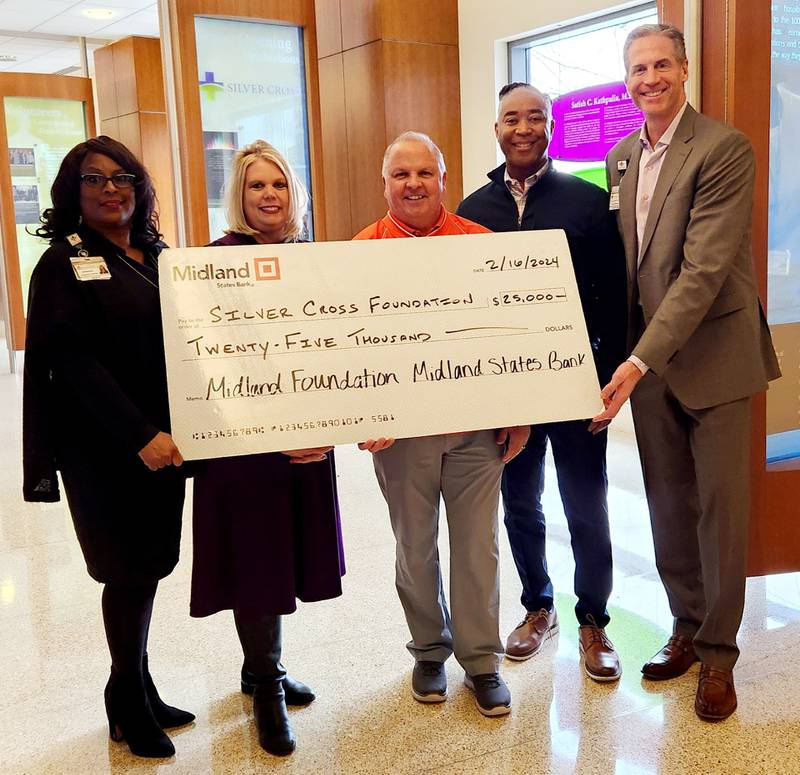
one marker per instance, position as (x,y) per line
(705,333)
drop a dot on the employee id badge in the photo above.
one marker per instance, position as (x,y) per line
(613,201)
(90,268)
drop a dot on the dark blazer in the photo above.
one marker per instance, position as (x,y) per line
(705,333)
(560,201)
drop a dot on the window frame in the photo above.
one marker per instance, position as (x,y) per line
(518,60)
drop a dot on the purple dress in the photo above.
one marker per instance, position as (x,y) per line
(266,532)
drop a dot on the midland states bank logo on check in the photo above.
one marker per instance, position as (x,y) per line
(267,268)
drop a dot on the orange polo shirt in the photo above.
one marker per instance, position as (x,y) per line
(449,223)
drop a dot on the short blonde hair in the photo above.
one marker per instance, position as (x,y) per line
(234,191)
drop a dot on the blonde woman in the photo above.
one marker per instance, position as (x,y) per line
(266,529)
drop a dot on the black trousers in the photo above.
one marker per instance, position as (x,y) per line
(580,459)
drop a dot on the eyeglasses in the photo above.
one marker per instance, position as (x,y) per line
(119,179)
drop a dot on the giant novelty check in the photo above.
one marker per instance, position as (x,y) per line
(277,347)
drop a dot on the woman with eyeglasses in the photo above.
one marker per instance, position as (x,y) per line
(95,409)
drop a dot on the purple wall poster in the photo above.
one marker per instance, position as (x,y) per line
(589,122)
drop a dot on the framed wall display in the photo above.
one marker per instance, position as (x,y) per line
(41,118)
(783,256)
(259,94)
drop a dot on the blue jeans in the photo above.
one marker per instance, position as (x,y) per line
(580,459)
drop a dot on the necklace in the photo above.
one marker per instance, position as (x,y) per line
(144,277)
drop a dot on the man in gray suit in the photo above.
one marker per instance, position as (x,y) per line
(700,348)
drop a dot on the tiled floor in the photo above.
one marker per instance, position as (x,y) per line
(53,661)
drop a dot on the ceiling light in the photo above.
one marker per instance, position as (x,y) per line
(99,14)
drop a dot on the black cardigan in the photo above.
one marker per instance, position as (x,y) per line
(94,362)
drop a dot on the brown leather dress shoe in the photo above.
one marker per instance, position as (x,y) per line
(531,634)
(600,660)
(673,660)
(716,697)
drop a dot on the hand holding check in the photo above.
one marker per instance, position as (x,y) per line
(616,393)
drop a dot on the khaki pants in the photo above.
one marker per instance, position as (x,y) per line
(465,469)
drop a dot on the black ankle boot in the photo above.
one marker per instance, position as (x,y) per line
(296,692)
(164,714)
(131,719)
(275,733)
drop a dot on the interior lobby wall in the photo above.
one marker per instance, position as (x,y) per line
(385,66)
(484,68)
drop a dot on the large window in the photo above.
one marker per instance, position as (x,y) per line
(580,67)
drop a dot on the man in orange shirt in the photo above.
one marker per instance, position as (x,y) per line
(463,468)
(414,180)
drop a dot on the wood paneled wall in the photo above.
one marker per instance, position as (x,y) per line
(671,12)
(182,39)
(385,66)
(129,80)
(63,87)
(335,162)
(374,69)
(736,77)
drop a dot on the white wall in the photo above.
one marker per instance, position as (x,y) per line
(484,28)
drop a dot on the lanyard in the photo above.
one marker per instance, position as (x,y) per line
(76,242)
